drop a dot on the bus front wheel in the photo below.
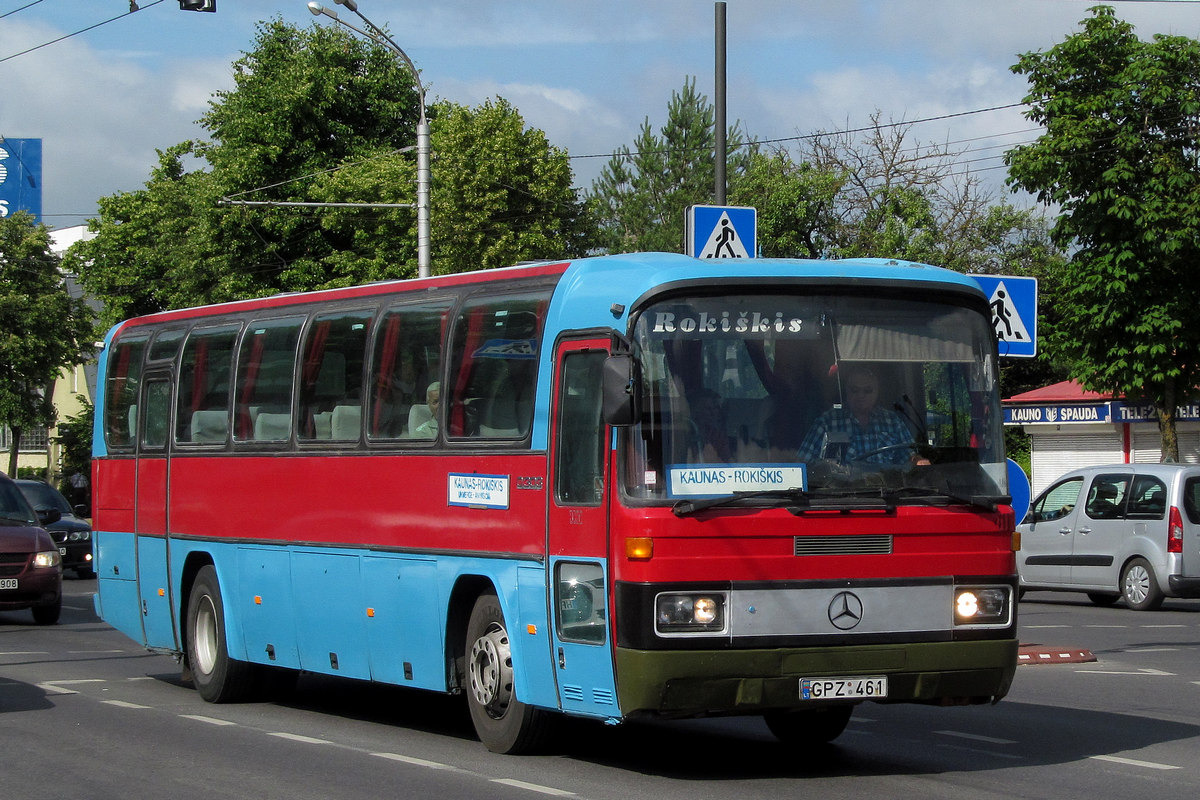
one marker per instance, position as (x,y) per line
(504,724)
(812,727)
(218,678)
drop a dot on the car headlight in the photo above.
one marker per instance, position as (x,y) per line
(693,613)
(47,558)
(79,536)
(982,605)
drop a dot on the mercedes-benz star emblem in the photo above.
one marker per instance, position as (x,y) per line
(845,610)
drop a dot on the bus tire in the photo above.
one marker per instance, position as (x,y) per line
(815,726)
(504,724)
(217,677)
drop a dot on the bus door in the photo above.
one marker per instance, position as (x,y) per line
(150,511)
(578,532)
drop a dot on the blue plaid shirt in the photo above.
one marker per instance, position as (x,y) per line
(884,428)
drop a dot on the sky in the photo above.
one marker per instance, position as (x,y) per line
(117,86)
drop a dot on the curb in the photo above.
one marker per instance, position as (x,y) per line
(1031,654)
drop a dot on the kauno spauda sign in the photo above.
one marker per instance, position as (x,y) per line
(1113,411)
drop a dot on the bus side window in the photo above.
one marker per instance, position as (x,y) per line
(407,360)
(263,393)
(202,399)
(331,371)
(494,366)
(121,392)
(579,476)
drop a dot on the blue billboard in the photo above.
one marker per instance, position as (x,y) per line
(21,177)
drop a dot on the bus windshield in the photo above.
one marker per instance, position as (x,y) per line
(833,393)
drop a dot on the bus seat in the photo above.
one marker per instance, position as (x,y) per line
(345,422)
(272,427)
(132,422)
(323,425)
(210,425)
(418,415)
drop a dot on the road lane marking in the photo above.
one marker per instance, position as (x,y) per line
(1152,650)
(295,737)
(1144,672)
(976,737)
(55,687)
(209,720)
(1133,762)
(1047,626)
(123,704)
(417,762)
(533,787)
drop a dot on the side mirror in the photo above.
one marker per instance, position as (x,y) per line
(620,392)
(83,510)
(48,516)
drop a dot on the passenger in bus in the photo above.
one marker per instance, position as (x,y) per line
(428,428)
(859,427)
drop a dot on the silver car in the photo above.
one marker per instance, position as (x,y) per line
(1121,531)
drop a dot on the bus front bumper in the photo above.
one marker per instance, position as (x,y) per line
(675,683)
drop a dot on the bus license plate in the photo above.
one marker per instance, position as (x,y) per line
(8,583)
(843,688)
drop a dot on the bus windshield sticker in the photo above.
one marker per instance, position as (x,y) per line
(714,480)
(478,491)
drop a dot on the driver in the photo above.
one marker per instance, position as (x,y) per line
(861,426)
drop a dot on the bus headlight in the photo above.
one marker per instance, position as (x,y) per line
(982,605)
(689,613)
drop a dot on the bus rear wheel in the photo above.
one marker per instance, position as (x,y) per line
(815,726)
(504,724)
(217,677)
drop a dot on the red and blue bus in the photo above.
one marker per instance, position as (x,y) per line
(612,488)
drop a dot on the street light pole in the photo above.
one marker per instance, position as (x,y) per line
(375,33)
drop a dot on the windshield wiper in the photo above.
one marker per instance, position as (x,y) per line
(798,500)
(10,518)
(933,496)
(685,507)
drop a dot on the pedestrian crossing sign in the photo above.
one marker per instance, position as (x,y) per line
(1014,312)
(722,232)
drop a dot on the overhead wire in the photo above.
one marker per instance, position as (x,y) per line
(133,10)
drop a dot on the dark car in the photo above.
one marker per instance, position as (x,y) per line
(71,533)
(30,564)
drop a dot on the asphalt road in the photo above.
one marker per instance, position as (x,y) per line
(86,713)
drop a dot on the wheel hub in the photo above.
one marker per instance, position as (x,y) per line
(491,670)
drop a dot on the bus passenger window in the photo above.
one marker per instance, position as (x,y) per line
(263,393)
(331,377)
(202,399)
(494,369)
(121,392)
(407,362)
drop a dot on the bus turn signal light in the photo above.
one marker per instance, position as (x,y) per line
(639,548)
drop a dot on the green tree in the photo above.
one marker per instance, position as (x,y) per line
(795,203)
(42,329)
(1119,158)
(318,115)
(641,196)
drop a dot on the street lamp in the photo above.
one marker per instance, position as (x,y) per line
(376,34)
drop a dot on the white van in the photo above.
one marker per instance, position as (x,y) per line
(1123,531)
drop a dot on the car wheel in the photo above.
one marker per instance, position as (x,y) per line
(816,726)
(1139,586)
(1102,599)
(48,615)
(218,678)
(504,724)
